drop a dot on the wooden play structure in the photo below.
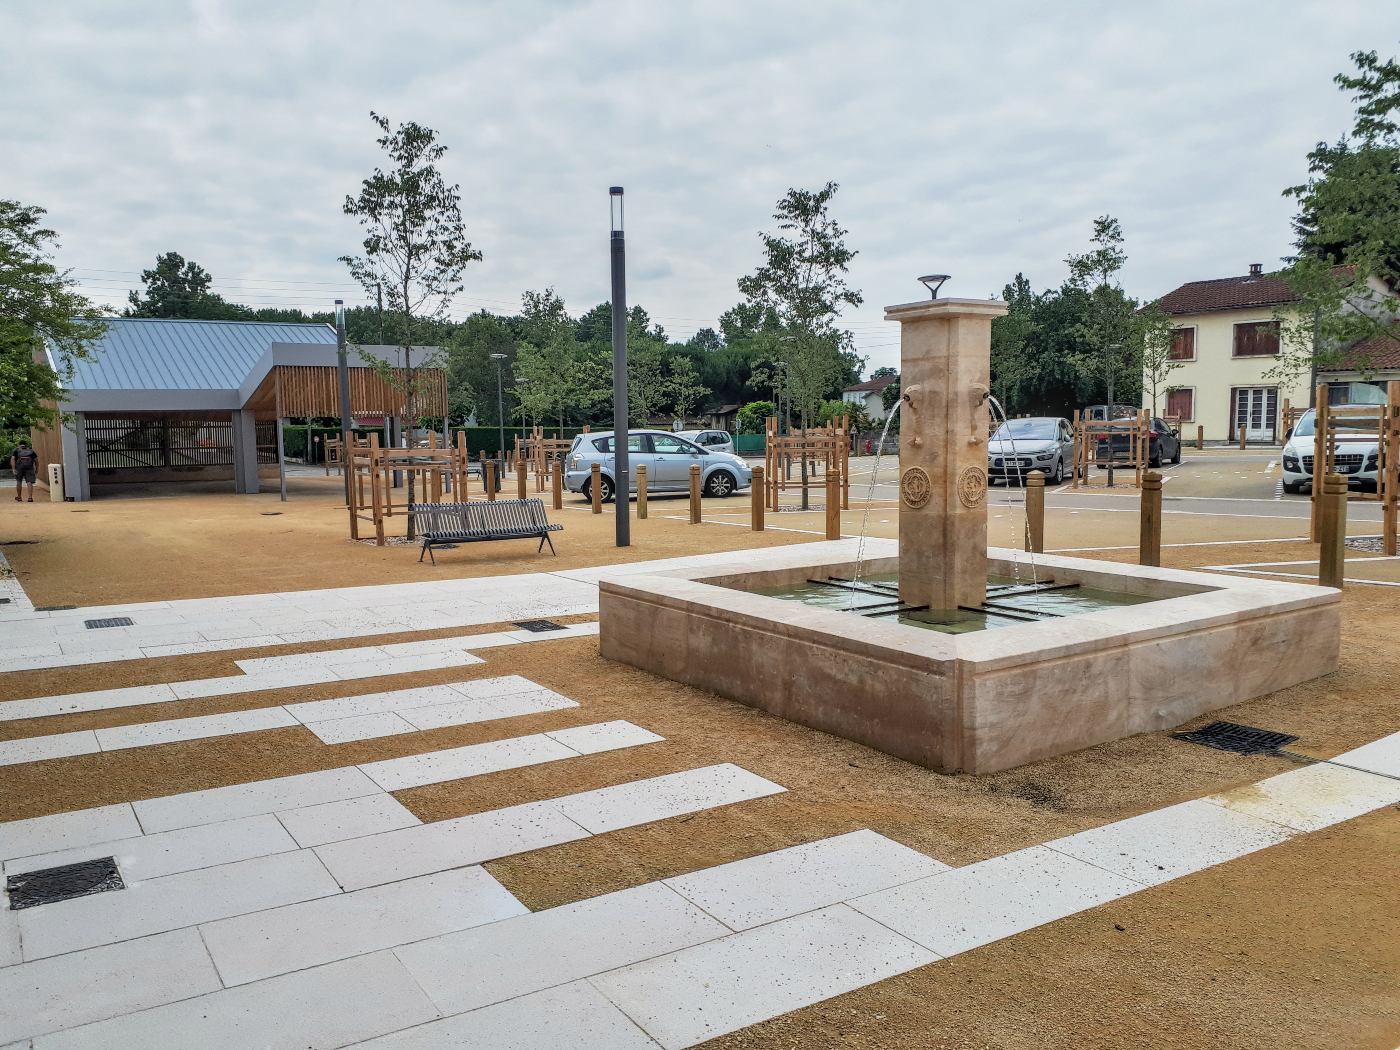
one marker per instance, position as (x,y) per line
(437,473)
(1089,432)
(537,452)
(827,447)
(1335,423)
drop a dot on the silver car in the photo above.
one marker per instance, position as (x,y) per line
(1037,443)
(667,457)
(711,440)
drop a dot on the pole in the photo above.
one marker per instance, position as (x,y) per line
(1035,511)
(1332,531)
(695,494)
(641,491)
(500,410)
(622,471)
(758,496)
(1108,409)
(1150,527)
(342,365)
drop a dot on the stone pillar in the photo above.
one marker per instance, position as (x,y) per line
(945,361)
(76,485)
(245,452)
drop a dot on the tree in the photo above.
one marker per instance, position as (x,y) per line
(1155,327)
(1110,341)
(884,370)
(687,392)
(177,287)
(753,417)
(706,340)
(802,285)
(415,244)
(1347,271)
(38,308)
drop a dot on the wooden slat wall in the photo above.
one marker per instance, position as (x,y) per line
(314,390)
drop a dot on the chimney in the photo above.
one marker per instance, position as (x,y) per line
(1256,269)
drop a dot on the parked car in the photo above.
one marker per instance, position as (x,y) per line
(668,458)
(711,440)
(1019,446)
(1357,456)
(1163,444)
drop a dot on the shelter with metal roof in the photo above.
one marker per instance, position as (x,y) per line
(184,400)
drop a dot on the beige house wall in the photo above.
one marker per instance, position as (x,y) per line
(1216,373)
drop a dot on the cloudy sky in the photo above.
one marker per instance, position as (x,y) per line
(974,139)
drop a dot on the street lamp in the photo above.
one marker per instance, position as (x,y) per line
(933,282)
(342,366)
(622,469)
(519,382)
(500,407)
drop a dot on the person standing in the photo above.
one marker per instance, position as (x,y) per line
(24,461)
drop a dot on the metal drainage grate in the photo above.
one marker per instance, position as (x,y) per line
(539,626)
(50,885)
(1243,740)
(5,601)
(110,621)
(53,608)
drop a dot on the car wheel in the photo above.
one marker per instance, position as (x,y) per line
(607,490)
(720,484)
(1155,464)
(1059,474)
(1293,487)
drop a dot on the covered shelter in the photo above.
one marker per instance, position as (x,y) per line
(162,400)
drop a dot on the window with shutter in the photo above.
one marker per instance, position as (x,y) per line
(1257,339)
(1181,403)
(1183,344)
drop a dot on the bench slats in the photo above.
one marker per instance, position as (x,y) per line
(507,519)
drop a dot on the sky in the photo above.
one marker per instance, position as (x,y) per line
(978,140)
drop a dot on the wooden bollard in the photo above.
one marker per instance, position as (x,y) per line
(556,480)
(490,476)
(595,488)
(1150,535)
(1243,440)
(695,493)
(833,505)
(642,491)
(1332,531)
(1035,511)
(758,497)
(1200,437)
(520,482)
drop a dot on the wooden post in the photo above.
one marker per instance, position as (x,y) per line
(1150,534)
(521,488)
(595,488)
(758,497)
(641,491)
(1035,511)
(490,476)
(1200,437)
(833,506)
(1243,430)
(695,493)
(557,482)
(1332,531)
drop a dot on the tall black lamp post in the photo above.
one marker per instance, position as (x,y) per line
(622,471)
(342,366)
(500,408)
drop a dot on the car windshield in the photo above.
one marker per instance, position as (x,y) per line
(1305,426)
(1026,430)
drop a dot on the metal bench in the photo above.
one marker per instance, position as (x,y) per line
(447,524)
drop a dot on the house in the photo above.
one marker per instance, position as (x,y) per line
(161,400)
(1227,342)
(1364,369)
(870,396)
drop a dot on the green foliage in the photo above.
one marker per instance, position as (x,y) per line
(38,307)
(1347,271)
(751,418)
(829,411)
(179,288)
(1108,334)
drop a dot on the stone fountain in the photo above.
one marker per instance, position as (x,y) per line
(1145,649)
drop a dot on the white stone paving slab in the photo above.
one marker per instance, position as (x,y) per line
(573,1017)
(446,844)
(359,727)
(966,907)
(466,711)
(145,734)
(1169,843)
(358,999)
(79,827)
(172,902)
(394,774)
(94,700)
(372,703)
(296,937)
(489,964)
(43,748)
(73,990)
(10,953)
(352,818)
(727,984)
(657,798)
(786,882)
(171,852)
(1379,756)
(246,800)
(403,665)
(603,736)
(1312,798)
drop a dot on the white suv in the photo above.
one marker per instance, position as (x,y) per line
(1357,456)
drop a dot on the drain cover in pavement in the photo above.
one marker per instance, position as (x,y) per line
(1243,740)
(540,625)
(49,885)
(53,608)
(110,621)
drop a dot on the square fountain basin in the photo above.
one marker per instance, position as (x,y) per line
(977,702)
